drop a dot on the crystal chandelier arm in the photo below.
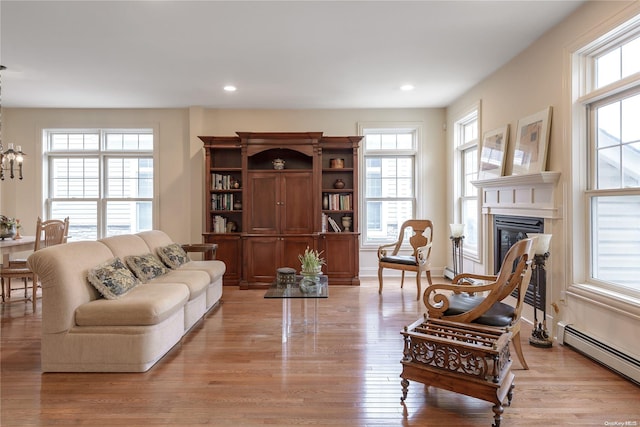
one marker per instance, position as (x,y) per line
(11,155)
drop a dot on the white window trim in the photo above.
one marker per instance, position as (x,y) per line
(578,93)
(45,131)
(460,118)
(419,174)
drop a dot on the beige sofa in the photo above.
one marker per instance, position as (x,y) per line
(84,332)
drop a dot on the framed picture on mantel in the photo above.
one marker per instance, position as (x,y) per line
(494,147)
(532,140)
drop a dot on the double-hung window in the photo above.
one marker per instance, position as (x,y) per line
(389,182)
(101,179)
(610,96)
(466,208)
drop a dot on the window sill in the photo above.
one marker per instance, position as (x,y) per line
(623,303)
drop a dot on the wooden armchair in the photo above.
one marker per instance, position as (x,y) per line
(421,240)
(48,233)
(463,302)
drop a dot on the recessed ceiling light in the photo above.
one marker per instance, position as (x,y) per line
(407,87)
(230,88)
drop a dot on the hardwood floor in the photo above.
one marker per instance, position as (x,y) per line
(234,370)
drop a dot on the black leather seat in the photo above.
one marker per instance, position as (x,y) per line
(499,314)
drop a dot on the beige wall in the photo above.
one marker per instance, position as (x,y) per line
(533,80)
(23,199)
(180,157)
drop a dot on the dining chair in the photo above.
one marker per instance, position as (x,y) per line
(48,233)
(420,234)
(479,299)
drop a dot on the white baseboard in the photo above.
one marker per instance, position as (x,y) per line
(615,359)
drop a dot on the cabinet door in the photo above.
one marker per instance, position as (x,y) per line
(292,247)
(263,197)
(262,258)
(280,203)
(341,256)
(230,252)
(296,203)
(265,254)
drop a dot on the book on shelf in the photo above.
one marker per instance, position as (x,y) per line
(224,202)
(219,224)
(345,202)
(222,182)
(339,201)
(334,224)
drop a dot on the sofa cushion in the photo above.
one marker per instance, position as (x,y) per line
(155,239)
(197,281)
(124,245)
(173,255)
(214,268)
(112,279)
(147,304)
(146,266)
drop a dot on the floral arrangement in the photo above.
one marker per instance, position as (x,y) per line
(8,223)
(8,226)
(311,261)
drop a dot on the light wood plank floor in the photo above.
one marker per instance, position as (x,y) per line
(234,370)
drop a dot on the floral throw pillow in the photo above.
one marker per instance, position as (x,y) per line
(173,255)
(145,267)
(112,279)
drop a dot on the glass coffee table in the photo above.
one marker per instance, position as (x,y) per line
(309,307)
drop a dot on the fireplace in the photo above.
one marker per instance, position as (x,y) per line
(507,230)
(514,205)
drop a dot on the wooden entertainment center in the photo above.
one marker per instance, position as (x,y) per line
(271,194)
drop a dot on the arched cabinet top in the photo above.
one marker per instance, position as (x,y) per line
(302,142)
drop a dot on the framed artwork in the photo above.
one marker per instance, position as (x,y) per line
(494,147)
(532,139)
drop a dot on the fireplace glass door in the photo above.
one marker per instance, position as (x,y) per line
(509,230)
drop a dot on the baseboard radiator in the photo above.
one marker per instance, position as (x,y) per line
(602,353)
(448,273)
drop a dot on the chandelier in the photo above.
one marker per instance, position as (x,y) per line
(12,157)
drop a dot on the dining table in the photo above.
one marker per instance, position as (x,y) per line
(9,246)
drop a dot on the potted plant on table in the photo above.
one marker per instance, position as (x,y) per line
(7,227)
(311,269)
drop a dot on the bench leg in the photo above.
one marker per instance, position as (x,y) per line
(510,393)
(405,389)
(498,409)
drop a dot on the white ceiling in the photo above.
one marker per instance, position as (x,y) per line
(280,54)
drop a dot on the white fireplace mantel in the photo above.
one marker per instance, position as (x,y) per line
(520,195)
